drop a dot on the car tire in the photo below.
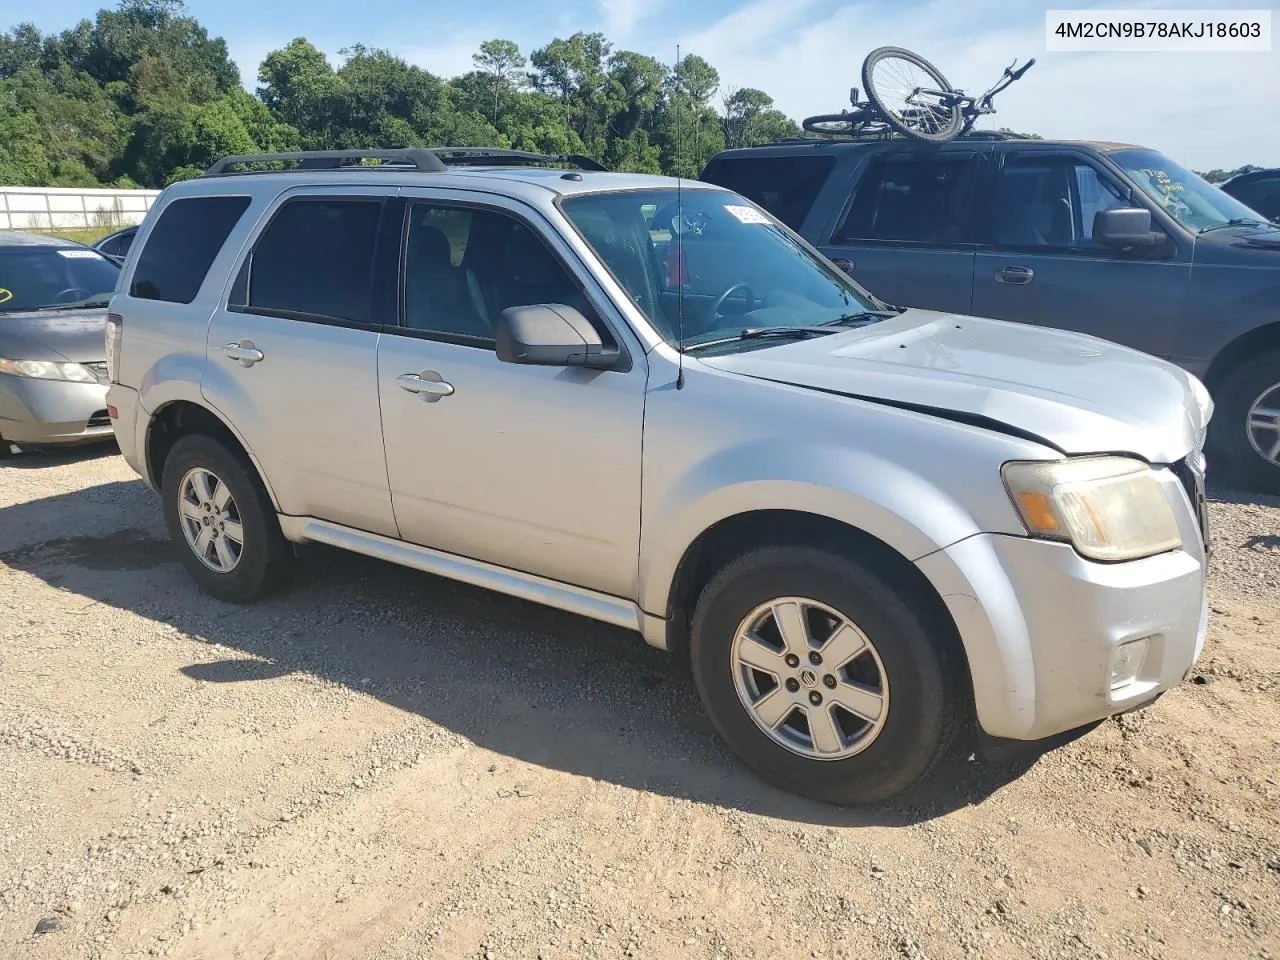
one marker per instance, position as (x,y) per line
(202,479)
(876,756)
(1239,445)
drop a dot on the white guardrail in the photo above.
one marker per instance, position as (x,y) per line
(71,208)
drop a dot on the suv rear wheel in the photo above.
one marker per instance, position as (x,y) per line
(1245,430)
(821,676)
(222,520)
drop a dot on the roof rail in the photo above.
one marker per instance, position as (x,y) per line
(422,159)
(466,156)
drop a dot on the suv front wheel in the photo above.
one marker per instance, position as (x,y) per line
(821,676)
(222,521)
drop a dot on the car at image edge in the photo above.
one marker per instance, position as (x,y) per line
(53,372)
(869,530)
(1113,240)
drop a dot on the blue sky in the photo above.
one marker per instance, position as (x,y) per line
(1203,109)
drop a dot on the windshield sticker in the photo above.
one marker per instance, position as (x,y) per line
(5,295)
(79,254)
(747,214)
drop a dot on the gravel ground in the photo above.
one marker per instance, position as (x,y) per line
(381,764)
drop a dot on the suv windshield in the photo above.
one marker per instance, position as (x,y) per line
(1193,202)
(41,278)
(704,265)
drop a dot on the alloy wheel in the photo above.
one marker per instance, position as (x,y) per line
(810,678)
(210,520)
(1264,424)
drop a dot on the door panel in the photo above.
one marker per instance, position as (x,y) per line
(309,412)
(292,357)
(1043,266)
(533,468)
(536,468)
(911,276)
(908,233)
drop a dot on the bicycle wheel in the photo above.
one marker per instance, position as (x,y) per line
(847,123)
(894,79)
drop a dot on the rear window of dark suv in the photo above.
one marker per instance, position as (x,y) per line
(785,186)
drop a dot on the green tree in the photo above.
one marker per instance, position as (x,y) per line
(501,65)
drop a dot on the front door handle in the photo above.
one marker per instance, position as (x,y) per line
(1015,275)
(244,351)
(845,264)
(426,384)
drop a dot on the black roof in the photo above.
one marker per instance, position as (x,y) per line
(820,144)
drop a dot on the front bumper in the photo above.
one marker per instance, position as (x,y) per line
(48,412)
(1041,626)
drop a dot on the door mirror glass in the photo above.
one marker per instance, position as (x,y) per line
(1125,227)
(551,334)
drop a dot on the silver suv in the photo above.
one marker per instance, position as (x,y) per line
(647,401)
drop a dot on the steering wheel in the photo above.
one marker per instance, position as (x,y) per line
(730,291)
(63,298)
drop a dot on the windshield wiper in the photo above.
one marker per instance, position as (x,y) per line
(1235,222)
(81,305)
(861,317)
(760,333)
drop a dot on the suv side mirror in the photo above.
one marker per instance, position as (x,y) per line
(552,335)
(1125,227)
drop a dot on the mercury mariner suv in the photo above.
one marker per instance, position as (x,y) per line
(649,402)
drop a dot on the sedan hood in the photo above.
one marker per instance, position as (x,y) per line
(1077,393)
(76,335)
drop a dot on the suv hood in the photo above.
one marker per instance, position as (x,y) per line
(55,335)
(1077,393)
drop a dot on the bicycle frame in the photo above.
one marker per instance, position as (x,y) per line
(973,107)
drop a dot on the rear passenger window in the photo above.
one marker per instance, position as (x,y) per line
(926,201)
(182,247)
(315,260)
(785,186)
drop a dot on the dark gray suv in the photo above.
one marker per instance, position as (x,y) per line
(1107,239)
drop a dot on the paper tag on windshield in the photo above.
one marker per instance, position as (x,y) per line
(79,254)
(747,214)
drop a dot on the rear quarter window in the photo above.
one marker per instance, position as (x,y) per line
(182,246)
(785,186)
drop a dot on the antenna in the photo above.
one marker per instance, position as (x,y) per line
(679,238)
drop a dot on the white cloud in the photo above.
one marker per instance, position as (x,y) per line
(1202,109)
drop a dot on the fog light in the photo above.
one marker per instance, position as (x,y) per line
(1127,662)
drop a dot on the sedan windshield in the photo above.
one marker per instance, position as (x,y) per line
(1192,201)
(705,265)
(46,278)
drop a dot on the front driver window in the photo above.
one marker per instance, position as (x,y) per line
(464,266)
(1050,203)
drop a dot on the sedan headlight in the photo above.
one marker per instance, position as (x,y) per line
(48,370)
(1108,508)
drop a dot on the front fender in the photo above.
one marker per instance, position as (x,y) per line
(885,499)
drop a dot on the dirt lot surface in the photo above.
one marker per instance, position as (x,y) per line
(378,764)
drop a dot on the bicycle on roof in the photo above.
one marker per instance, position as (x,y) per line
(907,94)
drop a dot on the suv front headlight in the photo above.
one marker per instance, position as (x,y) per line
(1108,508)
(48,370)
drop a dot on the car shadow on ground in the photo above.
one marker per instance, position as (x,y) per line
(526,681)
(38,458)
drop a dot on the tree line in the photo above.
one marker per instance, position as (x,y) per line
(142,96)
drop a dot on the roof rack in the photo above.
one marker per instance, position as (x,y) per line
(817,139)
(424,160)
(465,156)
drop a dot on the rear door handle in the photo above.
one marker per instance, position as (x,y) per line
(1015,275)
(244,351)
(427,388)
